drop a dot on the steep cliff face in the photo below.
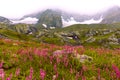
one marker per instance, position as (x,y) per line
(50,18)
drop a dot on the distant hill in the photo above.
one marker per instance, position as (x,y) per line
(4,20)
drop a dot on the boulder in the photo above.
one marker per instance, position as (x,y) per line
(113,40)
(83,58)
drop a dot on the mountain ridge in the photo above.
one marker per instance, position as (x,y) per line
(112,15)
(5,20)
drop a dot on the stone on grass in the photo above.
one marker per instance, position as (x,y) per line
(83,58)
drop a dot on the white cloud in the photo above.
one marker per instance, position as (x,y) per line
(28,20)
(18,8)
(92,21)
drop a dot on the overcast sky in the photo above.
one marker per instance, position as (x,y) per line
(18,8)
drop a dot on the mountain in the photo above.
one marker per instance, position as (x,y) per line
(112,15)
(4,20)
(50,18)
(66,15)
(61,18)
(67,18)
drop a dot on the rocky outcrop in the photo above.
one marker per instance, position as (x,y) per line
(113,40)
(23,28)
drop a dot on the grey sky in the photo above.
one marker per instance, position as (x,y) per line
(18,8)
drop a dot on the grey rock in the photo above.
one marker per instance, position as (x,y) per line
(83,58)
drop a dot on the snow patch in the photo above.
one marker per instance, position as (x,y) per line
(69,22)
(28,20)
(44,25)
(52,27)
(72,21)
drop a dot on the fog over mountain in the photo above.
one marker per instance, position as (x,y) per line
(70,11)
(19,8)
(61,18)
(28,20)
(50,17)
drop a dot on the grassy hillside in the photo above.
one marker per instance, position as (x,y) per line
(79,27)
(92,54)
(8,34)
(29,60)
(102,35)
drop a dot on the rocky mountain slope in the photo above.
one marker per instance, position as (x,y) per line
(97,35)
(50,18)
(104,35)
(112,15)
(4,20)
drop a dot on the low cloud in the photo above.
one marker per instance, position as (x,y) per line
(19,8)
(28,20)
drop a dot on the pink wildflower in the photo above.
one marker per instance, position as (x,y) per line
(30,75)
(1,64)
(98,74)
(71,70)
(10,77)
(2,74)
(55,68)
(58,60)
(77,76)
(17,72)
(31,72)
(117,71)
(42,74)
(83,78)
(84,68)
